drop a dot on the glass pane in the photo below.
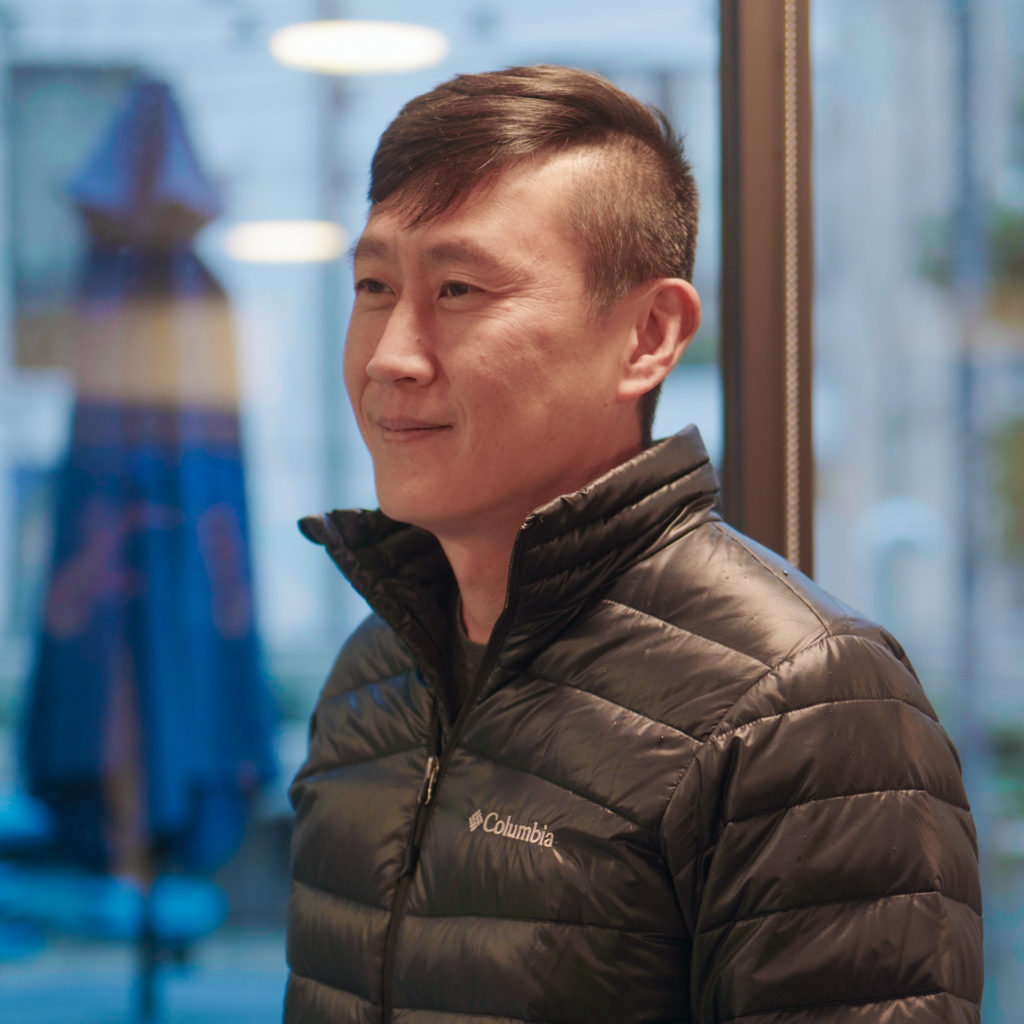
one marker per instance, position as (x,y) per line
(919,381)
(166,418)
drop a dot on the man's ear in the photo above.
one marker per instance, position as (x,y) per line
(666,317)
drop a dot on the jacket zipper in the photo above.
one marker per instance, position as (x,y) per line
(412,854)
(437,761)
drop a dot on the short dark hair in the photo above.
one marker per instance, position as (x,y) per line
(634,213)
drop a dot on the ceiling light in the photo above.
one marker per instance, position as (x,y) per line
(358,47)
(285,241)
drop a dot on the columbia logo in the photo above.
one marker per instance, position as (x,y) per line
(493,823)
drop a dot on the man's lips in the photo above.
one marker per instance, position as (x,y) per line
(408,427)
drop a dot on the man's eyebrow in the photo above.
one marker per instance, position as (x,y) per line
(459,251)
(462,252)
(369,249)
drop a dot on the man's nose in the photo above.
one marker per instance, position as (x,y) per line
(402,352)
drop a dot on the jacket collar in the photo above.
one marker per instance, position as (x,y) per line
(566,552)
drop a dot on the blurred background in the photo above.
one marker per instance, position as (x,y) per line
(177,200)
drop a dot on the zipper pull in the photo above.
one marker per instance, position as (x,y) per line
(412,851)
(429,778)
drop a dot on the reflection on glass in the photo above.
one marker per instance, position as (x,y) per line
(919,177)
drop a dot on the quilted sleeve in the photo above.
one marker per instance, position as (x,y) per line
(823,850)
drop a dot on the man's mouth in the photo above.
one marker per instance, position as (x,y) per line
(408,428)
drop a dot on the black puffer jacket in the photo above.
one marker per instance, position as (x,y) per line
(690,786)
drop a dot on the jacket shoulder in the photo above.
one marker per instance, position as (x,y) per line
(823,810)
(739,593)
(712,630)
(353,720)
(373,652)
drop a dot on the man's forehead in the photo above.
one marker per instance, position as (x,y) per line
(515,215)
(508,186)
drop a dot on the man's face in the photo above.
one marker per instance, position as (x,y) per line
(481,382)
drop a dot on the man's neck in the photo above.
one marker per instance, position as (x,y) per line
(479,557)
(481,572)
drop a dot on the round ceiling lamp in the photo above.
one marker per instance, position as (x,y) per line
(285,241)
(348,47)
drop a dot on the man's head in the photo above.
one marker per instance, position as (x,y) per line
(633,208)
(492,359)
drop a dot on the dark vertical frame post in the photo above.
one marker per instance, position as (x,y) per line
(767,273)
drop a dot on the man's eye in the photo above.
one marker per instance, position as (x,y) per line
(455,289)
(372,286)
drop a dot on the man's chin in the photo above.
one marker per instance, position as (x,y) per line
(407,508)
(446,519)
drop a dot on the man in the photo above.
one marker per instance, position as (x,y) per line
(597,757)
